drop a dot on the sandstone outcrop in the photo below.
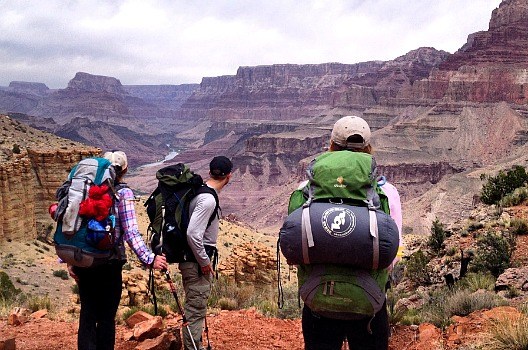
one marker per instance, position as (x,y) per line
(29,175)
(28,187)
(250,264)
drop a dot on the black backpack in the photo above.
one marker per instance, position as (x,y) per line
(168,211)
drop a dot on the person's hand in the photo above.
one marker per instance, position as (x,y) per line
(72,274)
(207,270)
(160,263)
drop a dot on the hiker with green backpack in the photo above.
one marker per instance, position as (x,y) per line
(343,232)
(184,223)
(201,236)
(95,257)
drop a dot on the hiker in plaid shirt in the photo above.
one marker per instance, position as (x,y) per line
(100,286)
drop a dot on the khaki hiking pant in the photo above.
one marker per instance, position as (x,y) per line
(197,289)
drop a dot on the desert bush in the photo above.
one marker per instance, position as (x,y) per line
(411,317)
(396,314)
(519,226)
(518,196)
(464,302)
(226,294)
(474,226)
(507,334)
(475,281)
(451,251)
(433,311)
(416,269)
(225,303)
(63,274)
(75,289)
(291,307)
(494,252)
(438,236)
(7,288)
(38,302)
(16,149)
(444,303)
(497,187)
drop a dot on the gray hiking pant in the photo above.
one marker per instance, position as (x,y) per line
(197,289)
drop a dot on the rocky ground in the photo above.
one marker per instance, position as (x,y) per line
(31,266)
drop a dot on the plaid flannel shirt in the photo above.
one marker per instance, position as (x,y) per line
(126,215)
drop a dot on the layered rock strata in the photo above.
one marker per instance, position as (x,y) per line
(27,187)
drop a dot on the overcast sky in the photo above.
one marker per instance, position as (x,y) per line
(181,41)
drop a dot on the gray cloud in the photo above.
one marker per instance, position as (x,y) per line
(176,42)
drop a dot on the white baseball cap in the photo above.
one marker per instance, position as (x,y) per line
(349,126)
(118,158)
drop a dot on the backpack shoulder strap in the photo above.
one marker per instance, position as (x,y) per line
(206,189)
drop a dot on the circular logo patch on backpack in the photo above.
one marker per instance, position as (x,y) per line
(338,222)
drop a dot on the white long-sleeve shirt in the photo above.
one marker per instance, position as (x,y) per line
(198,234)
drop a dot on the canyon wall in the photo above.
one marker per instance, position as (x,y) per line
(27,187)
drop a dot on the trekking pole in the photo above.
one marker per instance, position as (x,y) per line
(175,294)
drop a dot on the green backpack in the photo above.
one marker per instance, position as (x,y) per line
(340,291)
(168,212)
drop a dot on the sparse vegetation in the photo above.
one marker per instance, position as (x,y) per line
(519,226)
(416,268)
(16,149)
(494,252)
(7,288)
(477,281)
(519,196)
(444,303)
(497,187)
(35,303)
(396,313)
(463,302)
(507,334)
(290,309)
(438,236)
(63,274)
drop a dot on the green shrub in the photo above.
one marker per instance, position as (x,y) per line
(416,269)
(63,274)
(519,196)
(474,226)
(438,236)
(396,314)
(433,311)
(444,303)
(519,226)
(463,302)
(451,251)
(35,303)
(475,281)
(494,252)
(7,288)
(290,308)
(497,187)
(75,289)
(412,317)
(225,303)
(507,334)
(16,149)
